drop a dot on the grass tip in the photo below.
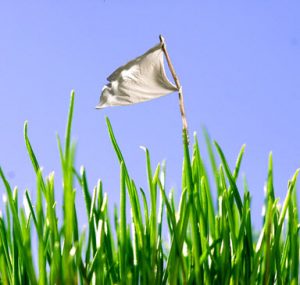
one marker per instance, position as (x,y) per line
(25,128)
(265,189)
(51,175)
(73,251)
(81,170)
(271,156)
(297,172)
(15,192)
(4,198)
(216,144)
(263,211)
(143,148)
(108,124)
(26,206)
(104,203)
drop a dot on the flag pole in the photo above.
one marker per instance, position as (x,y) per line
(178,85)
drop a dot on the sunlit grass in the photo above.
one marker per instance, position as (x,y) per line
(211,241)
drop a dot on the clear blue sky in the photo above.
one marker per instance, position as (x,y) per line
(238,62)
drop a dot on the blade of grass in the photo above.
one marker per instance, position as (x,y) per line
(122,251)
(230,179)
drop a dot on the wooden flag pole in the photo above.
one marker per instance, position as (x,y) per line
(181,103)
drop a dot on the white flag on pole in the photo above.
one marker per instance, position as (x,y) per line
(141,79)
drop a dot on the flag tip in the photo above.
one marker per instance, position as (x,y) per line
(98,107)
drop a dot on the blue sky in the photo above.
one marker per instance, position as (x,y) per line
(238,62)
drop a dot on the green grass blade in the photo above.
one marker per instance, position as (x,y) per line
(122,251)
(212,159)
(31,154)
(238,162)
(69,126)
(207,244)
(230,179)
(85,189)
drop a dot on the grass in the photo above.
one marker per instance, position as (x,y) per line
(210,242)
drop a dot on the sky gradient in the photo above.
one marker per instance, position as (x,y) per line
(239,65)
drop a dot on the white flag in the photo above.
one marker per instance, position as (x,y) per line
(141,79)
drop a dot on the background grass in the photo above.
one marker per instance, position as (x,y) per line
(209,242)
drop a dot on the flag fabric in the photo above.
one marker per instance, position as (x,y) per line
(141,79)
